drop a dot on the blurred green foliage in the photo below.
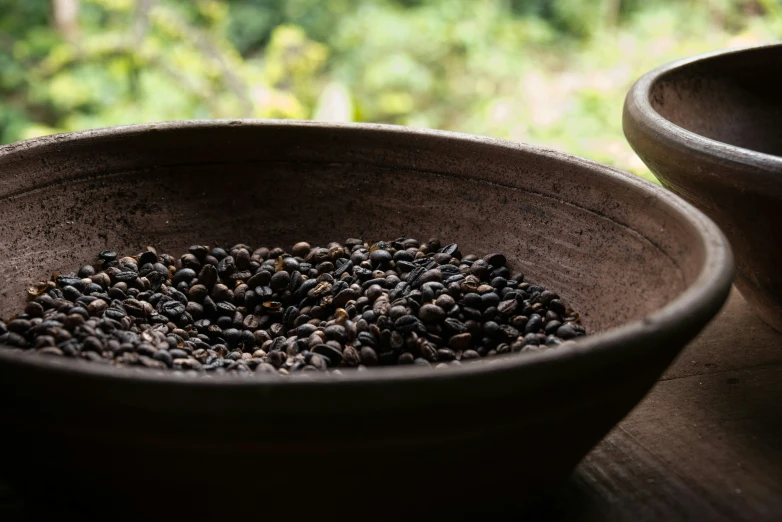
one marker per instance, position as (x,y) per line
(548,72)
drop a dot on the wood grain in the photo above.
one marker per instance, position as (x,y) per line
(735,339)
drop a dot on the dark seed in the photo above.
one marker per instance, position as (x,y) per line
(508,307)
(350,357)
(332,355)
(172,309)
(434,275)
(567,331)
(107,256)
(445,354)
(406,358)
(408,324)
(398,302)
(280,280)
(33,309)
(534,324)
(452,250)
(460,341)
(431,313)
(368,356)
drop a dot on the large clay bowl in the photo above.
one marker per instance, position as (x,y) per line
(646,270)
(710,128)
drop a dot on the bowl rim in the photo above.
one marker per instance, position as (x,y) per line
(708,290)
(639,108)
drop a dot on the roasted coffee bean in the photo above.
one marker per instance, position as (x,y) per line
(226,266)
(567,331)
(352,305)
(368,356)
(97,307)
(280,280)
(408,324)
(225,308)
(445,301)
(208,275)
(406,358)
(428,351)
(452,250)
(508,307)
(332,355)
(445,354)
(552,327)
(172,309)
(33,309)
(534,324)
(454,326)
(431,313)
(489,299)
(301,249)
(380,257)
(350,357)
(107,256)
(349,294)
(434,275)
(19,326)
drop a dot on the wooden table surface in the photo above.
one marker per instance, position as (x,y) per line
(704,445)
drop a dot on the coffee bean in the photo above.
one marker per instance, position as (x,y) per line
(408,324)
(480,268)
(368,356)
(107,256)
(434,275)
(430,313)
(534,324)
(489,299)
(445,354)
(380,257)
(350,357)
(508,307)
(452,250)
(337,333)
(208,275)
(567,331)
(332,355)
(172,309)
(97,307)
(346,295)
(280,280)
(406,358)
(301,249)
(307,310)
(460,341)
(495,260)
(445,301)
(428,352)
(33,309)
(552,327)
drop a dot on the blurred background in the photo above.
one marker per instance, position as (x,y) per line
(546,72)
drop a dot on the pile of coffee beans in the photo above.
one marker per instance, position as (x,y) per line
(353,304)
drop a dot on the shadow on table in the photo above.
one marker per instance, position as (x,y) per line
(747,404)
(570,502)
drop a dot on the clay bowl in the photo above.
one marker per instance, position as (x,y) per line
(710,128)
(646,270)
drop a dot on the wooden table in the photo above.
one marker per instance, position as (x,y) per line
(704,445)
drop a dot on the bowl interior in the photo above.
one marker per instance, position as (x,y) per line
(606,243)
(733,98)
